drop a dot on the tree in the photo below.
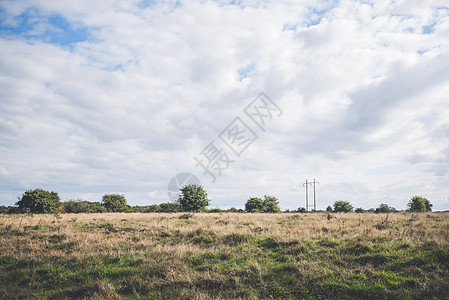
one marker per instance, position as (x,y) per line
(301,210)
(254,204)
(384,208)
(270,204)
(419,204)
(193,198)
(40,201)
(359,210)
(342,206)
(329,209)
(115,202)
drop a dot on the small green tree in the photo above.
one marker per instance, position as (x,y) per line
(114,202)
(329,209)
(254,204)
(419,204)
(384,208)
(193,198)
(359,210)
(271,204)
(342,206)
(40,201)
(301,210)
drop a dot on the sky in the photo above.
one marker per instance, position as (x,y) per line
(251,97)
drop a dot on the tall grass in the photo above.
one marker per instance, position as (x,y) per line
(222,256)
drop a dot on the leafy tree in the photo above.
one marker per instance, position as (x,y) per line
(342,206)
(419,204)
(301,210)
(359,210)
(40,201)
(254,205)
(271,204)
(193,198)
(384,208)
(115,202)
(329,209)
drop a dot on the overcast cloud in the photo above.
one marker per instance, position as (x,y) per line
(119,96)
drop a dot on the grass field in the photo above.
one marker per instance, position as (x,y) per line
(222,256)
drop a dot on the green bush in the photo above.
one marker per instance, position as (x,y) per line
(40,201)
(329,209)
(115,202)
(80,206)
(271,204)
(301,210)
(342,206)
(254,205)
(193,198)
(9,210)
(170,207)
(419,204)
(384,208)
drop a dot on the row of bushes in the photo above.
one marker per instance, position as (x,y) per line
(81,206)
(193,198)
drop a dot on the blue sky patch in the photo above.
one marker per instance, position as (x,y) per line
(245,71)
(429,29)
(316,15)
(147,3)
(53,29)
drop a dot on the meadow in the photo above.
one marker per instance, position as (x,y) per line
(225,256)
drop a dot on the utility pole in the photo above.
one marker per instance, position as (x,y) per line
(306,184)
(314,193)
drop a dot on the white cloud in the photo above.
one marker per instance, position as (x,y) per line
(362,87)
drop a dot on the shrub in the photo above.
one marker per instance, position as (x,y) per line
(359,210)
(170,207)
(271,204)
(9,210)
(40,201)
(342,206)
(254,205)
(419,204)
(329,209)
(384,208)
(301,210)
(193,198)
(115,202)
(76,206)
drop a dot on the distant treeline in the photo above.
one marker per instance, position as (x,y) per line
(192,199)
(81,206)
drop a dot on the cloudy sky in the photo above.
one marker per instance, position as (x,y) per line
(120,96)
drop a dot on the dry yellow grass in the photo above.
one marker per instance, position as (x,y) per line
(85,236)
(209,255)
